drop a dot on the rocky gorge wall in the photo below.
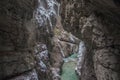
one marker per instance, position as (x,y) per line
(17,39)
(31,48)
(97,24)
(35,36)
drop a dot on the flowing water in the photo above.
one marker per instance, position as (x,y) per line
(46,15)
(68,68)
(73,63)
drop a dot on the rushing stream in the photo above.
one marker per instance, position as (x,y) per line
(68,68)
(72,64)
(47,15)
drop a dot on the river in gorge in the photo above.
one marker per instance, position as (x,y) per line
(68,68)
(72,64)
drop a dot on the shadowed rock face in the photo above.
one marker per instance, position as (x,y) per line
(28,49)
(117,2)
(16,38)
(33,41)
(16,24)
(97,23)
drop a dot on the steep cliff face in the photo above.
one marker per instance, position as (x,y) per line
(16,24)
(17,38)
(36,35)
(60,43)
(30,45)
(97,24)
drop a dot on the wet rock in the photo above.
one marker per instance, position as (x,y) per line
(30,75)
(67,43)
(17,37)
(16,21)
(13,63)
(80,57)
(26,22)
(55,73)
(42,61)
(64,44)
(97,23)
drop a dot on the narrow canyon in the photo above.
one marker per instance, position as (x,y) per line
(59,40)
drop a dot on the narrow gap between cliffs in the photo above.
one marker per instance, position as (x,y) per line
(72,64)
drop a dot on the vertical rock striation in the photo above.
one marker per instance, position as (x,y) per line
(97,24)
(17,39)
(60,43)
(35,36)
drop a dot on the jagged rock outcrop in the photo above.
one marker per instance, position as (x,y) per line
(64,44)
(28,45)
(17,38)
(35,36)
(29,75)
(16,24)
(42,62)
(51,33)
(97,23)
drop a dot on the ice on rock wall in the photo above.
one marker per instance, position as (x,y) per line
(81,52)
(43,67)
(46,9)
(82,49)
(41,56)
